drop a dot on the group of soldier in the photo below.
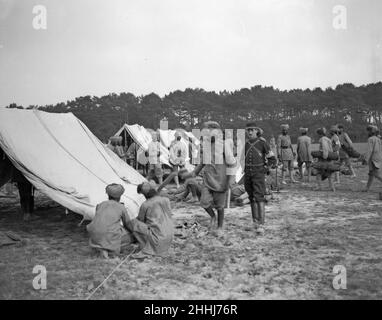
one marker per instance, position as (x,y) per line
(257,157)
(216,174)
(334,154)
(153,229)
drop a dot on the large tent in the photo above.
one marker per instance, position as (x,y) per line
(59,155)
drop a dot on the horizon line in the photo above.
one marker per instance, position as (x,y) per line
(195,88)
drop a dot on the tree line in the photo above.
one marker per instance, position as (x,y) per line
(354,107)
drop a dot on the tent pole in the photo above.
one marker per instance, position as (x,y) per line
(124,131)
(136,156)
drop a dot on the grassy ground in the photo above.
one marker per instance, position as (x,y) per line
(307,234)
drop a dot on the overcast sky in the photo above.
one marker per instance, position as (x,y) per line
(94,47)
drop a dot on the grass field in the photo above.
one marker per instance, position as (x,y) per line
(307,234)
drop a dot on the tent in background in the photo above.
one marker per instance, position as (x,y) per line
(59,155)
(168,136)
(141,136)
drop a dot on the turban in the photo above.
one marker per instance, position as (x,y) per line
(182,171)
(115,190)
(372,128)
(303,130)
(211,125)
(144,188)
(334,128)
(321,131)
(152,184)
(285,126)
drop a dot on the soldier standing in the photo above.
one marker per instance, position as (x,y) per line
(285,153)
(257,156)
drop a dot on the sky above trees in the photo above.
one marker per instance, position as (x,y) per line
(95,47)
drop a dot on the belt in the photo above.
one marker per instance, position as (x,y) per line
(284,147)
(254,165)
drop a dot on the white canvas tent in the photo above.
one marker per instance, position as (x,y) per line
(143,137)
(59,155)
(168,136)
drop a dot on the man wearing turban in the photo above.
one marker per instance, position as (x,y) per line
(178,154)
(218,164)
(285,152)
(323,165)
(153,153)
(116,146)
(153,228)
(346,147)
(304,144)
(373,155)
(106,232)
(336,146)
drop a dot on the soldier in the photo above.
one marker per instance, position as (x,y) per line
(304,153)
(219,166)
(154,227)
(336,146)
(323,168)
(373,156)
(346,143)
(178,153)
(108,230)
(257,154)
(285,153)
(115,145)
(153,154)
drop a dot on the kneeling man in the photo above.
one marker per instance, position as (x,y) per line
(153,228)
(107,233)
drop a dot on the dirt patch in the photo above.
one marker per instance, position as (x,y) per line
(307,234)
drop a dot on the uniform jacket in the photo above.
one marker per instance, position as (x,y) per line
(374,152)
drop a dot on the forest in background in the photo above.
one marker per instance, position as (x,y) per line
(354,107)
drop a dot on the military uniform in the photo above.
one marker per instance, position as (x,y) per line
(154,227)
(284,145)
(215,175)
(155,165)
(106,230)
(254,169)
(304,150)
